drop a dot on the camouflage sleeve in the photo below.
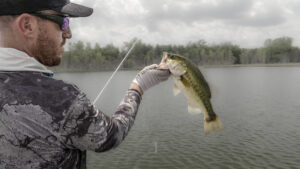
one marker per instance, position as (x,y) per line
(87,128)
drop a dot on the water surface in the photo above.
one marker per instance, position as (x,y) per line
(259,107)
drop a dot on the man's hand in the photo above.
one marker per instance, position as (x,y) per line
(150,76)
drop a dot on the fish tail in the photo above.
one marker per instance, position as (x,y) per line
(211,125)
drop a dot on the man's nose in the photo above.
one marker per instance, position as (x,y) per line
(67,34)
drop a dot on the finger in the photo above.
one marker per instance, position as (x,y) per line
(163,74)
(147,68)
(153,66)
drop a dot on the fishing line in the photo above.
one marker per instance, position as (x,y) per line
(107,82)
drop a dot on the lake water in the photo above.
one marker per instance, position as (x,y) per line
(259,108)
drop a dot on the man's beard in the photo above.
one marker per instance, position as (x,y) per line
(46,50)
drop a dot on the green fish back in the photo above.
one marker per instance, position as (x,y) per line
(193,76)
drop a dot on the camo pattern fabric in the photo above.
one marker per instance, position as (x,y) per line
(49,124)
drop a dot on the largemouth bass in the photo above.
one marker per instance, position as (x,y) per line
(191,82)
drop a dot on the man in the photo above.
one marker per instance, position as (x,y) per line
(46,123)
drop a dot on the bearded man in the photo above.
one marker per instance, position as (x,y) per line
(46,123)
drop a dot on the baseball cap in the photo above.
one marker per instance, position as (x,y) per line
(16,7)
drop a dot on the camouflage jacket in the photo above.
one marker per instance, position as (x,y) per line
(49,124)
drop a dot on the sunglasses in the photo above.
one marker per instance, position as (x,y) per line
(61,20)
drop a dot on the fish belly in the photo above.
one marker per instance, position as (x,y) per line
(196,105)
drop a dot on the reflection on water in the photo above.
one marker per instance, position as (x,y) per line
(259,108)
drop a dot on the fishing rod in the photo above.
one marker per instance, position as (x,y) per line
(107,82)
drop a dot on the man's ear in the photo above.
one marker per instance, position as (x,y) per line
(27,25)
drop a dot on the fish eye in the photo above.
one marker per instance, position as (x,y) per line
(172,57)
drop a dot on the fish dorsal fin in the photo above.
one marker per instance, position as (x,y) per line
(176,90)
(193,109)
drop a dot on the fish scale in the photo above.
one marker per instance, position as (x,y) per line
(200,91)
(190,80)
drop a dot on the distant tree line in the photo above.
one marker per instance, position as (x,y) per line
(85,57)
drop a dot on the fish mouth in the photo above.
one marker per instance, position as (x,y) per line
(167,63)
(163,64)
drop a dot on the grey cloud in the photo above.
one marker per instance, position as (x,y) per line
(294,6)
(177,21)
(272,14)
(265,20)
(229,11)
(161,11)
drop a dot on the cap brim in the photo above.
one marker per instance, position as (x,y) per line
(75,10)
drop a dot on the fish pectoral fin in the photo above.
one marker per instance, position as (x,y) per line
(176,90)
(194,110)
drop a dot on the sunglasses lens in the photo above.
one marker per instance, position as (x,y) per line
(65,24)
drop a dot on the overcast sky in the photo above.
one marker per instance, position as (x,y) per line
(246,23)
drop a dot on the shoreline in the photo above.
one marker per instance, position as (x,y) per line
(254,65)
(201,66)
